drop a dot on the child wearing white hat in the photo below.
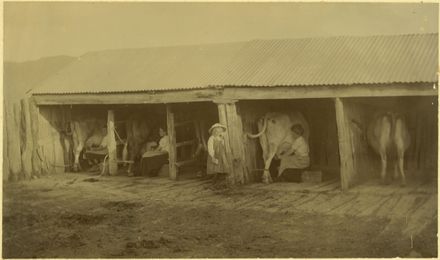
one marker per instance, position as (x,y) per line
(216,164)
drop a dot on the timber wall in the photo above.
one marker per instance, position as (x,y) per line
(32,144)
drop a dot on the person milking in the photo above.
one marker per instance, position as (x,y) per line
(154,158)
(294,155)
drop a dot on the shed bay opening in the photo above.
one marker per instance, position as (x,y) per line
(323,140)
(420,115)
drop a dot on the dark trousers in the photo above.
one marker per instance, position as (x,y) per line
(151,165)
(291,175)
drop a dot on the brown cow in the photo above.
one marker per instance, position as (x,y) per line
(274,130)
(82,129)
(388,135)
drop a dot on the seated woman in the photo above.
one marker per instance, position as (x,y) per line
(154,159)
(294,155)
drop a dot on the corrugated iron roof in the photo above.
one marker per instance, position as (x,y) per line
(311,61)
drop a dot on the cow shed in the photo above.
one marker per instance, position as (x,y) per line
(334,81)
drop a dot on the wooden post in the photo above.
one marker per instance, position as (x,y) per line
(26,155)
(235,131)
(229,117)
(345,147)
(111,143)
(251,146)
(223,120)
(172,136)
(36,162)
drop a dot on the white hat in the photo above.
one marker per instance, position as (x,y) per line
(216,125)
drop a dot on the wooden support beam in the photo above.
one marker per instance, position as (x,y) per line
(235,130)
(111,143)
(229,117)
(345,146)
(241,93)
(172,136)
(223,120)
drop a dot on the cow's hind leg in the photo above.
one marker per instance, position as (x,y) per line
(383,172)
(399,165)
(266,175)
(400,135)
(77,152)
(402,173)
(384,142)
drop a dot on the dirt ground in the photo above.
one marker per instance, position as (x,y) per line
(76,215)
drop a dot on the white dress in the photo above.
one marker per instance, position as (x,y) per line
(297,156)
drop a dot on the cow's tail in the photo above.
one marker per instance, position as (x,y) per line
(262,131)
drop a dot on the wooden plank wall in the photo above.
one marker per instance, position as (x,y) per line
(46,150)
(50,122)
(253,153)
(229,117)
(358,116)
(36,161)
(32,144)
(13,145)
(27,143)
(423,127)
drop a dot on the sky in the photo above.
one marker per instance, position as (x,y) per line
(35,30)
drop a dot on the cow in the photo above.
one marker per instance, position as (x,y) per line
(82,128)
(274,129)
(388,135)
(138,133)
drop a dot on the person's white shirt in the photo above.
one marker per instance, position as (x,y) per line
(300,147)
(164,144)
